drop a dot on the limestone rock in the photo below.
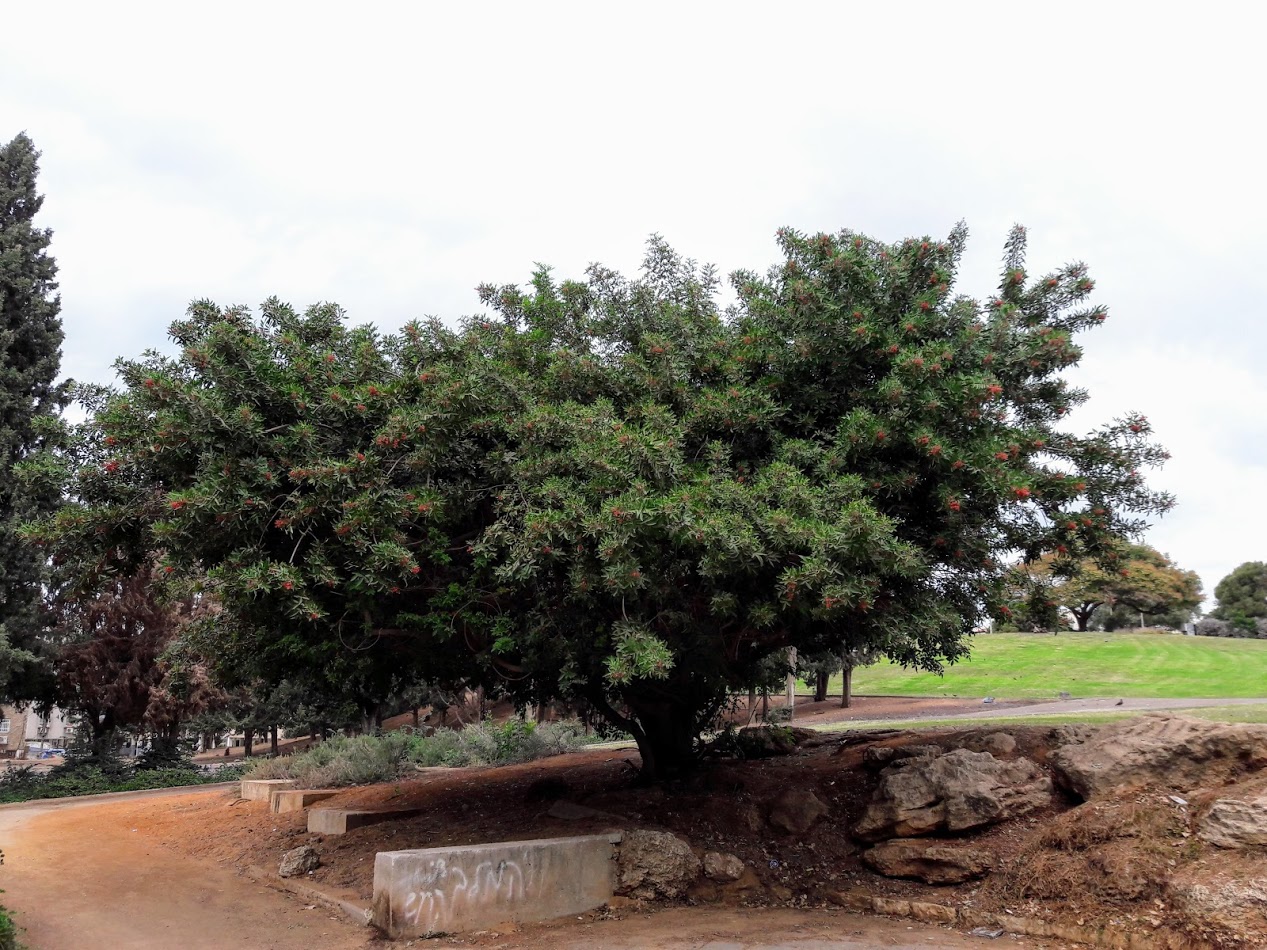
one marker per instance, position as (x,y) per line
(763,742)
(933,862)
(998,744)
(1176,752)
(654,864)
(877,757)
(953,792)
(1231,823)
(299,861)
(722,867)
(796,810)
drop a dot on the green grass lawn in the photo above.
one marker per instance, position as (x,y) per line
(1030,666)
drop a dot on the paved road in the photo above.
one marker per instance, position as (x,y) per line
(1065,707)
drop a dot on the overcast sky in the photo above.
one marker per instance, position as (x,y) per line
(392,156)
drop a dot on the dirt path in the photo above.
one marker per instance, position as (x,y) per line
(720,928)
(78,874)
(76,877)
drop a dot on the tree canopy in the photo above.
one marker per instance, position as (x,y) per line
(1241,597)
(1142,581)
(612,488)
(30,401)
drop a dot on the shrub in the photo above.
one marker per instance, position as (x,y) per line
(384,758)
(8,933)
(72,779)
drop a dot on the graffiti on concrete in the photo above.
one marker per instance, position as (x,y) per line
(439,891)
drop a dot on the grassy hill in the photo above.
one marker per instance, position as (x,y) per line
(1018,665)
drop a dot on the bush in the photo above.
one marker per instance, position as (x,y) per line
(8,933)
(79,778)
(365,760)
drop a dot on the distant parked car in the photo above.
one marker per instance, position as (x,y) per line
(51,753)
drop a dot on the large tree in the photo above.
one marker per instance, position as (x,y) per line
(1141,581)
(614,490)
(30,401)
(1242,595)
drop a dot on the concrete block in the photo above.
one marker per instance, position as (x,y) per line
(339,821)
(259,789)
(450,890)
(297,799)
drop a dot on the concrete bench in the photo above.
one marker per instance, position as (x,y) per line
(297,799)
(449,890)
(259,789)
(339,821)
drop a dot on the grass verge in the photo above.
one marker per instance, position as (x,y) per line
(1034,666)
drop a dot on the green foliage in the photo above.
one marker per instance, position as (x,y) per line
(25,784)
(1140,580)
(364,760)
(611,490)
(8,932)
(30,401)
(1242,595)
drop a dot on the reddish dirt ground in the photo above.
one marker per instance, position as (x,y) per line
(1103,862)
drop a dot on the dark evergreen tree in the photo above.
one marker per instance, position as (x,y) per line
(1242,595)
(30,403)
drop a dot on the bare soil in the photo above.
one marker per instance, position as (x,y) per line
(1110,861)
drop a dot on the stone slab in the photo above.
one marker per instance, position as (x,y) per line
(298,799)
(259,789)
(451,890)
(339,821)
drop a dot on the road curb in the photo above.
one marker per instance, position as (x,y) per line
(355,912)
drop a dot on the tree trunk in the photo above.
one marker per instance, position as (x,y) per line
(272,740)
(820,686)
(791,683)
(765,704)
(248,741)
(846,687)
(417,723)
(1082,615)
(666,741)
(752,702)
(542,709)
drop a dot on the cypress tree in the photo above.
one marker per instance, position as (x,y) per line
(30,404)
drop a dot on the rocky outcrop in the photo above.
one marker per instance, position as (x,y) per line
(953,792)
(763,742)
(877,757)
(1175,752)
(722,867)
(998,744)
(796,810)
(1235,824)
(299,861)
(933,862)
(654,864)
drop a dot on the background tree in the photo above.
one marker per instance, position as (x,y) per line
(612,491)
(1241,597)
(30,401)
(1141,581)
(108,665)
